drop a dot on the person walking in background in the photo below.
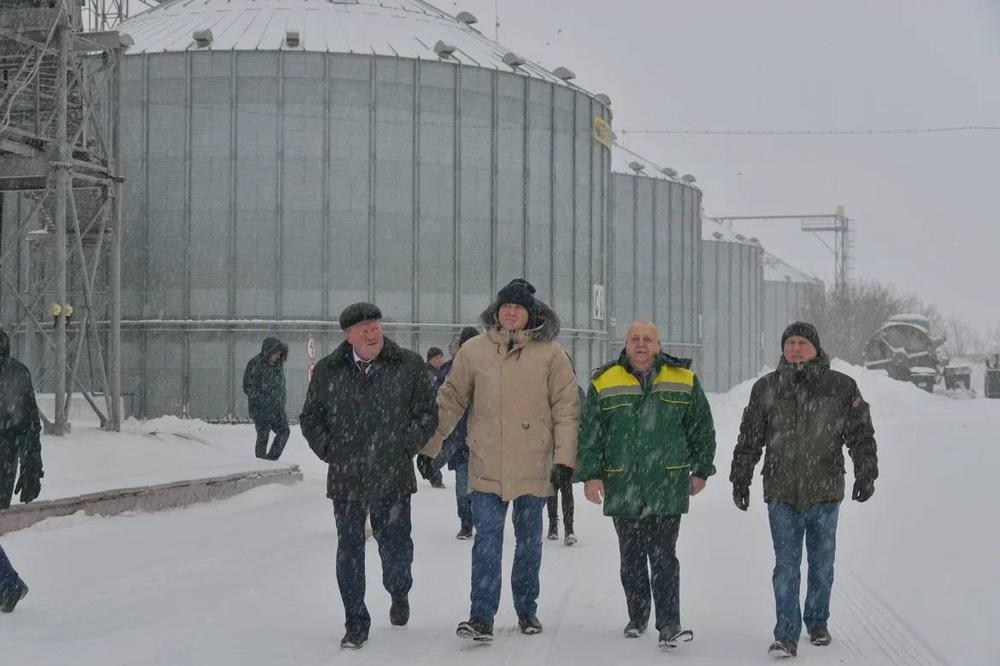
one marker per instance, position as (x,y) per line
(647,444)
(455,450)
(20,446)
(435,360)
(803,415)
(264,386)
(368,411)
(520,391)
(566,492)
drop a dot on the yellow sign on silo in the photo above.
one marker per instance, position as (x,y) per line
(602,132)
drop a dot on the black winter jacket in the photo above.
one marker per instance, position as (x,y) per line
(803,415)
(369,428)
(264,382)
(20,425)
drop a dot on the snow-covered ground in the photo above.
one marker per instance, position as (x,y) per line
(144,453)
(250,580)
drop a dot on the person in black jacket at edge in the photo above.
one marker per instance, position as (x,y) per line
(801,416)
(264,384)
(20,445)
(369,409)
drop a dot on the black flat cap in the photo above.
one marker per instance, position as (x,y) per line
(358,312)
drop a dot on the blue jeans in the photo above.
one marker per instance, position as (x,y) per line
(818,524)
(462,499)
(489,514)
(9,580)
(390,517)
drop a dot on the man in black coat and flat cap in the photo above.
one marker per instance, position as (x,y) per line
(369,409)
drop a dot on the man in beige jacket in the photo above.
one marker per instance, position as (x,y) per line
(522,439)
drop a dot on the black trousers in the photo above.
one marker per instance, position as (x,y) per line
(650,540)
(566,490)
(391,526)
(8,470)
(279,425)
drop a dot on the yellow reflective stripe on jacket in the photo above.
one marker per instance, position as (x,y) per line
(671,378)
(616,380)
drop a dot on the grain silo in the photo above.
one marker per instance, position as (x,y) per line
(288,157)
(732,307)
(656,238)
(788,293)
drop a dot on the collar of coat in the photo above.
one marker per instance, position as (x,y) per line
(795,373)
(670,373)
(344,353)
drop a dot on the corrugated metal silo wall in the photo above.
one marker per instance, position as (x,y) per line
(266,191)
(732,307)
(785,301)
(657,259)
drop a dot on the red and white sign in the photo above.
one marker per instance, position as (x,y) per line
(311,355)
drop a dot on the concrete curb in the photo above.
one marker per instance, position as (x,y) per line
(146,498)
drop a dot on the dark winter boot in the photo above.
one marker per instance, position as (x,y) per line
(465,533)
(570,539)
(819,636)
(553,532)
(529,623)
(16,593)
(634,629)
(782,649)
(475,628)
(354,639)
(671,636)
(399,612)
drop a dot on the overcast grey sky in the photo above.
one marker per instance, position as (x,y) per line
(925,206)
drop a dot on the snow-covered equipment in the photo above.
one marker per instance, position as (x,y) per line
(905,348)
(991,388)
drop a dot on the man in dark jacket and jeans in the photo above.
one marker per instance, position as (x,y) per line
(20,445)
(264,384)
(804,414)
(369,409)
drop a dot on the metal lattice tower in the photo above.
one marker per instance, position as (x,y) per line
(838,223)
(60,190)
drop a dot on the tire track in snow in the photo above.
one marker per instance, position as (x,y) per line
(876,622)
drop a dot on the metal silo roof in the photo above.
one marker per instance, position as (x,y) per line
(777,270)
(400,28)
(713,231)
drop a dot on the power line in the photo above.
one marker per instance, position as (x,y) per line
(818,132)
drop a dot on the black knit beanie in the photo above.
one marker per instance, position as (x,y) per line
(802,329)
(518,291)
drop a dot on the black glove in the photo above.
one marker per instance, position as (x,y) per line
(741,497)
(29,484)
(863,490)
(425,465)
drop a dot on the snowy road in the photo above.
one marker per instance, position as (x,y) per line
(250,580)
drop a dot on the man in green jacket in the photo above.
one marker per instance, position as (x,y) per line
(803,414)
(646,445)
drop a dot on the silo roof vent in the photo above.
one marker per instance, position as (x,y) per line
(740,237)
(688,178)
(717,234)
(564,73)
(668,172)
(467,18)
(636,166)
(603,99)
(511,59)
(443,49)
(292,38)
(202,38)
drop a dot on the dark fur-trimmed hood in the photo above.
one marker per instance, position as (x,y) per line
(543,322)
